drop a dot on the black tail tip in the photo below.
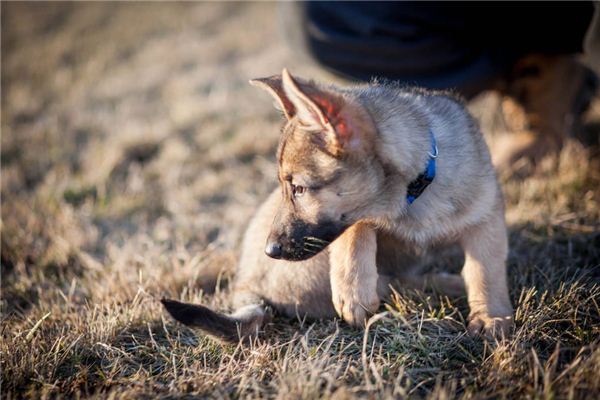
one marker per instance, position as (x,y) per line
(199,317)
(182,312)
(170,305)
(167,302)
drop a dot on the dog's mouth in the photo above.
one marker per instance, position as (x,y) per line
(297,250)
(310,246)
(307,245)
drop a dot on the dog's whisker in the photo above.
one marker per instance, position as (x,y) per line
(309,251)
(313,245)
(315,239)
(318,245)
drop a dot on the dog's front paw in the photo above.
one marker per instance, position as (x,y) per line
(355,306)
(490,327)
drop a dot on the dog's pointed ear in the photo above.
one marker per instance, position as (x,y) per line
(320,110)
(273,85)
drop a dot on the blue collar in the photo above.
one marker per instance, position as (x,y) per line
(418,186)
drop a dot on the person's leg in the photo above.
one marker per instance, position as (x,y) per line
(436,45)
(421,44)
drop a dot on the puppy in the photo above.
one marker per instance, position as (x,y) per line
(372,179)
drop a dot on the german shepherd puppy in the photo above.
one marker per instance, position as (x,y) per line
(372,179)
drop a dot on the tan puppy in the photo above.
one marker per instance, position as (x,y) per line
(372,179)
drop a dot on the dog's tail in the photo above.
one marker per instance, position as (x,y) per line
(244,323)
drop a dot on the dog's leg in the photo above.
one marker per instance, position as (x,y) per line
(354,274)
(484,273)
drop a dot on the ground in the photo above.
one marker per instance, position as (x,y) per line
(133,154)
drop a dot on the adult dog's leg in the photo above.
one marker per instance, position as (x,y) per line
(484,273)
(354,274)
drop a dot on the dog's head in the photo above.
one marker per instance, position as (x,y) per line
(328,171)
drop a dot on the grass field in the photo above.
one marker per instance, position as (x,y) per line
(133,154)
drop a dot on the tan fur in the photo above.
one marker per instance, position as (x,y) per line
(341,219)
(354,276)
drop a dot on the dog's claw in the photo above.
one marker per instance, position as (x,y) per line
(490,327)
(354,311)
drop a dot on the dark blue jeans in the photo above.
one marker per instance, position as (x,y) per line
(464,46)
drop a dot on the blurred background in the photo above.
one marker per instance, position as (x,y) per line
(128,124)
(130,134)
(129,131)
(133,152)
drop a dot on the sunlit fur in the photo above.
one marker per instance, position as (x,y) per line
(356,149)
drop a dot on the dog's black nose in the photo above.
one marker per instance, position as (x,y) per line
(273,249)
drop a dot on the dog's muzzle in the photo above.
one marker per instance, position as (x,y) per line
(304,242)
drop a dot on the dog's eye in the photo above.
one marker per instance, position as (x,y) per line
(297,190)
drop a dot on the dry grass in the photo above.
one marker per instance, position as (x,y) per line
(134,152)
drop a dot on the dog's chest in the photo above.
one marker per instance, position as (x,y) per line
(425,230)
